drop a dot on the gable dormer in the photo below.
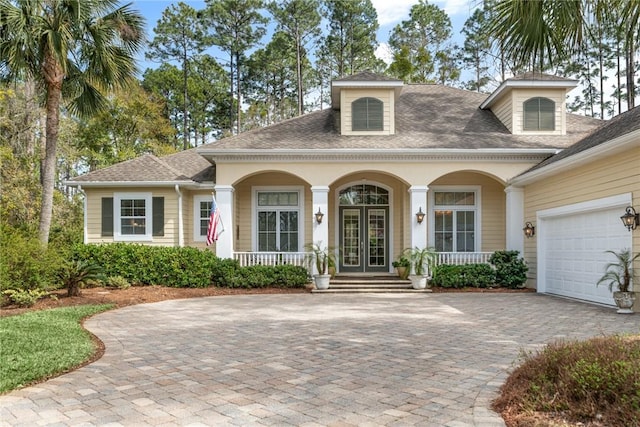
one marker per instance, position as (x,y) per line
(531,104)
(366,103)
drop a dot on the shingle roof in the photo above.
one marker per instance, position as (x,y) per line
(427,116)
(367,76)
(620,125)
(186,166)
(534,75)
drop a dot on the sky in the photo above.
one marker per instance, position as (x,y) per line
(390,13)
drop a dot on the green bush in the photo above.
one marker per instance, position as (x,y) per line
(24,297)
(185,267)
(25,263)
(511,270)
(117,282)
(460,276)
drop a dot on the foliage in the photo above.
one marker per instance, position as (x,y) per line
(42,344)
(591,381)
(25,263)
(511,270)
(117,282)
(459,276)
(618,274)
(322,257)
(24,297)
(77,274)
(402,261)
(261,276)
(422,259)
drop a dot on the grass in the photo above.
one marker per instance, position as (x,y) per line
(594,381)
(40,344)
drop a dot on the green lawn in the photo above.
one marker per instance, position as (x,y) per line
(41,344)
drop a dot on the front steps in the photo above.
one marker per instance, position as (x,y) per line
(369,284)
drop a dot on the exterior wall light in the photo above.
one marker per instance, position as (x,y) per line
(420,215)
(630,219)
(319,216)
(529,230)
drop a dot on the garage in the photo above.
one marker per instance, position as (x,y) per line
(572,242)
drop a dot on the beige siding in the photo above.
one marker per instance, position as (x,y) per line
(493,202)
(349,95)
(503,110)
(94,214)
(618,174)
(556,95)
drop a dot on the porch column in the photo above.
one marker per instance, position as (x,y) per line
(515,219)
(224,199)
(418,201)
(320,200)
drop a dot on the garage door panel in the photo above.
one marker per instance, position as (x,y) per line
(573,254)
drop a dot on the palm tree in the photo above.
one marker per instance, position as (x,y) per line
(75,50)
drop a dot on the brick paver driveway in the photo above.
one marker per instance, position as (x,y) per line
(307,360)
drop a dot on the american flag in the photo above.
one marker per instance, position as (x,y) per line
(215,224)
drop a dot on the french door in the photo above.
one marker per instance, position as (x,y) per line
(364,241)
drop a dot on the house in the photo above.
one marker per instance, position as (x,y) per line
(391,166)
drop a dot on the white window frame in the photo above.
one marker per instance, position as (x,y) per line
(255,208)
(117,222)
(197,237)
(477,208)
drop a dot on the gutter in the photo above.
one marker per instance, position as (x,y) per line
(85,238)
(180,225)
(137,184)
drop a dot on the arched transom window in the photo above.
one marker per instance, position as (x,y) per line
(539,114)
(366,114)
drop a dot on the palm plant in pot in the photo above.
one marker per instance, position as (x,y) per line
(618,275)
(422,260)
(321,258)
(402,266)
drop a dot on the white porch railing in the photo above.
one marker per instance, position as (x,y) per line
(461,258)
(271,258)
(299,258)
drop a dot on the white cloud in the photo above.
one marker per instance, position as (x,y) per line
(392,12)
(457,7)
(384,52)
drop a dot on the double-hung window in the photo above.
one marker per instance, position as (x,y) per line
(278,220)
(202,210)
(455,219)
(133,216)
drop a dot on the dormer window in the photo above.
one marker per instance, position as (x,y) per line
(367,114)
(539,114)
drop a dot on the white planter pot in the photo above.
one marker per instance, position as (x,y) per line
(624,301)
(418,282)
(322,281)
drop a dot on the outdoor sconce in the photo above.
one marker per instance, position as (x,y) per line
(319,216)
(420,215)
(630,219)
(529,230)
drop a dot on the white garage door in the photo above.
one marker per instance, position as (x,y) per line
(571,248)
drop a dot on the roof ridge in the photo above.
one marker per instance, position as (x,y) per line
(169,167)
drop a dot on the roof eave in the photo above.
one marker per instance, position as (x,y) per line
(130,184)
(537,84)
(336,86)
(608,148)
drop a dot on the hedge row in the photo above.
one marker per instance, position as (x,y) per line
(185,267)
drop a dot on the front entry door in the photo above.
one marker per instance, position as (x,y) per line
(364,244)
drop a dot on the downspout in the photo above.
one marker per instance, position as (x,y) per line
(84,215)
(180,225)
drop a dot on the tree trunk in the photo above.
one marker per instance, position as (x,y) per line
(631,88)
(299,74)
(239,94)
(185,97)
(53,77)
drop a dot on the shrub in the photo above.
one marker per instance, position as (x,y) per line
(459,276)
(24,297)
(77,274)
(511,271)
(117,282)
(594,380)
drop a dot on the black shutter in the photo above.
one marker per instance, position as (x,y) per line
(107,217)
(158,216)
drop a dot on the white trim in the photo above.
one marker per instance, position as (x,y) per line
(196,216)
(277,188)
(138,184)
(477,189)
(614,146)
(391,214)
(180,217)
(537,84)
(85,220)
(117,223)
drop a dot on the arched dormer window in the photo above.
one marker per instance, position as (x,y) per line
(539,114)
(366,114)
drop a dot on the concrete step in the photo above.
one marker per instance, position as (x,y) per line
(332,290)
(370,284)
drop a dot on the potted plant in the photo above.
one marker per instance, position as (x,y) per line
(321,258)
(618,275)
(402,266)
(421,260)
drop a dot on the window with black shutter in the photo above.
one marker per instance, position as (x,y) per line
(107,217)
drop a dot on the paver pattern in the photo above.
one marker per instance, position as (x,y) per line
(307,360)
